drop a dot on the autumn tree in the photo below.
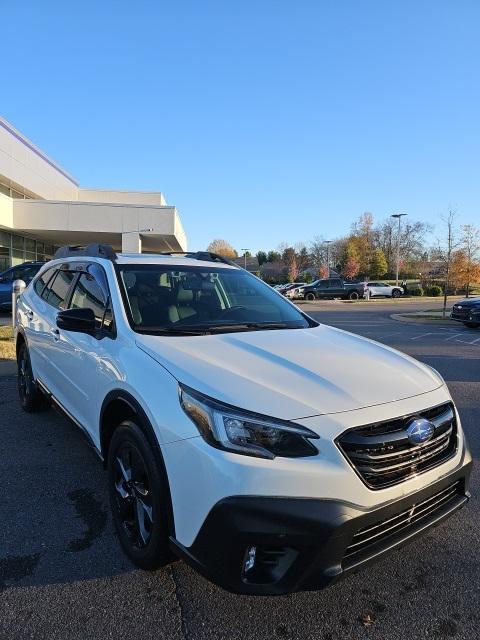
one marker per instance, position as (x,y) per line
(471,247)
(446,252)
(223,248)
(292,268)
(378,264)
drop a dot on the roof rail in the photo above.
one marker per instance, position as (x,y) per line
(202,255)
(95,250)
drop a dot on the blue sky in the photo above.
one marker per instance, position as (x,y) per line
(262,121)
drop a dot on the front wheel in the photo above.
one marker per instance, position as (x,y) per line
(310,297)
(139,497)
(353,295)
(396,293)
(472,325)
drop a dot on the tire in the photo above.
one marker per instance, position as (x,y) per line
(310,297)
(396,293)
(472,325)
(353,295)
(31,398)
(139,497)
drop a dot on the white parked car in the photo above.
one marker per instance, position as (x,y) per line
(292,292)
(270,452)
(383,289)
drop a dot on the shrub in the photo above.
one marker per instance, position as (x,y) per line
(434,290)
(416,291)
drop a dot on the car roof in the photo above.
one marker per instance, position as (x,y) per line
(150,259)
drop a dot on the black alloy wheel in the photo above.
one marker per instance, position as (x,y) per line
(310,297)
(396,293)
(353,295)
(139,497)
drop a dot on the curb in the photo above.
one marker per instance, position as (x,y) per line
(420,320)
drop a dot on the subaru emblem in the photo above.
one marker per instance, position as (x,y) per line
(420,431)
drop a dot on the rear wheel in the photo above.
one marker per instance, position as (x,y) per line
(310,297)
(396,293)
(139,497)
(472,325)
(31,398)
(353,295)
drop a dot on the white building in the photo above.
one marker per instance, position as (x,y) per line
(42,207)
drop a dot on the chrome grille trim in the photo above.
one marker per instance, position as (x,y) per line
(417,512)
(382,454)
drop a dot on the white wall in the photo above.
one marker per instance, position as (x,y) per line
(154,198)
(26,165)
(6,211)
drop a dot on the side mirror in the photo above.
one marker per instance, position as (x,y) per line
(78,320)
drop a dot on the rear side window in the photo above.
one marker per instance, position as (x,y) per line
(43,280)
(335,283)
(57,291)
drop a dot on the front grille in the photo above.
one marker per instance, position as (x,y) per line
(383,455)
(382,532)
(460,313)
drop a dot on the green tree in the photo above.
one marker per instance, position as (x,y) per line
(378,264)
(261,257)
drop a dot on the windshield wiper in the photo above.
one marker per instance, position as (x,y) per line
(179,331)
(247,326)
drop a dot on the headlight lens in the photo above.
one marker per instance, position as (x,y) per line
(250,434)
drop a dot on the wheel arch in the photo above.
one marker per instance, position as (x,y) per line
(119,405)
(20,339)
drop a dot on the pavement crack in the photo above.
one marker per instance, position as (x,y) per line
(183,622)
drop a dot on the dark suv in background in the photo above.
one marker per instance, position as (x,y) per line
(26,272)
(334,288)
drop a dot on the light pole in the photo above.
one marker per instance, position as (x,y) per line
(245,258)
(328,242)
(399,217)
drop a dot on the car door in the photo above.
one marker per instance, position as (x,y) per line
(384,289)
(336,288)
(86,361)
(321,289)
(374,288)
(42,333)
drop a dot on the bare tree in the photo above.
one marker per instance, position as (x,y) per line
(446,252)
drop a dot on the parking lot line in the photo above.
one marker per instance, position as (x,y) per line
(422,335)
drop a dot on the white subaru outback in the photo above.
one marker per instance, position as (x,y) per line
(271,452)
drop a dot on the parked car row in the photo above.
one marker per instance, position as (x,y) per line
(337,288)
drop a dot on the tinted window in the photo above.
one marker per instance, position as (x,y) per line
(90,294)
(323,284)
(56,292)
(335,284)
(41,281)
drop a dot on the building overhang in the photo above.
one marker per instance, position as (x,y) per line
(76,222)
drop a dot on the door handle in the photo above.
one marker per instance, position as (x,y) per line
(55,333)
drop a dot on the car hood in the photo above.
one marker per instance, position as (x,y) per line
(292,373)
(468,303)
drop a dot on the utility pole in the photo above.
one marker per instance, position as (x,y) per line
(245,258)
(328,242)
(399,218)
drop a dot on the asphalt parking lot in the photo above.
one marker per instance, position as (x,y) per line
(63,575)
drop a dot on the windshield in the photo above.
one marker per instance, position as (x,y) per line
(191,300)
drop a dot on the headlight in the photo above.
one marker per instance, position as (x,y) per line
(250,434)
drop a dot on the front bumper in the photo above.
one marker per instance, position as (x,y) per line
(305,544)
(466,315)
